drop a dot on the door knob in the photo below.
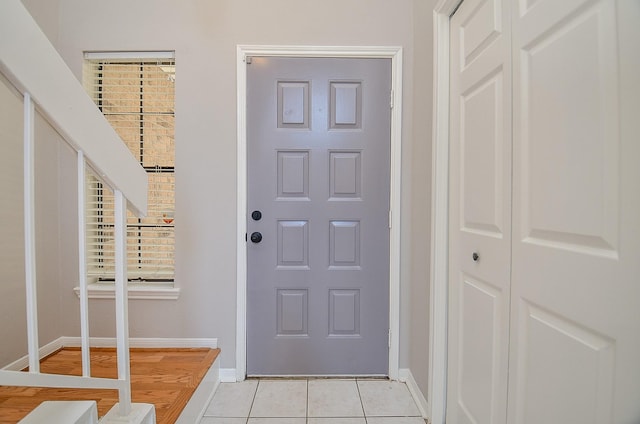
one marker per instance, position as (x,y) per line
(475,257)
(256,237)
(256,215)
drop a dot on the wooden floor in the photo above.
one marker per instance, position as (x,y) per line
(166,378)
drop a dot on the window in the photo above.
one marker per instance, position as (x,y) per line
(136,94)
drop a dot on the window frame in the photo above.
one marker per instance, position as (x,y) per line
(143,283)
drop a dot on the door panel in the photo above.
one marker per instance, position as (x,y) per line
(319,171)
(480,218)
(568,369)
(293,244)
(293,174)
(344,312)
(482,153)
(568,105)
(344,175)
(293,312)
(481,321)
(575,292)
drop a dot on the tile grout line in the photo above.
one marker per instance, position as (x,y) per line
(307,405)
(361,403)
(252,402)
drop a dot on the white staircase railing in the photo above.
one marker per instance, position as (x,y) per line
(33,66)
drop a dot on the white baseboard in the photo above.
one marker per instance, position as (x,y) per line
(61,342)
(140,342)
(406,377)
(228,375)
(197,405)
(44,351)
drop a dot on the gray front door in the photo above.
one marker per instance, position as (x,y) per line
(318,134)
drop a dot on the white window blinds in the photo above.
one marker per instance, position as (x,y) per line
(136,94)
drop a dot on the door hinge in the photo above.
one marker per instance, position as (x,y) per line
(391,99)
(390,219)
(248,60)
(245,237)
(389,340)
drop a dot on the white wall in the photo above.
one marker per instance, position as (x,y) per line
(204,35)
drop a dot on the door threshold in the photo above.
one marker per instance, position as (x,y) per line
(320,376)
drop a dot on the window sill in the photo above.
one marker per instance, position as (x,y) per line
(136,291)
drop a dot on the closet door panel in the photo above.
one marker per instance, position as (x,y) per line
(575,325)
(480,220)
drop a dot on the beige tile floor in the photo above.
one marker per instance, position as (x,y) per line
(312,401)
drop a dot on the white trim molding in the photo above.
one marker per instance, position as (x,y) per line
(228,375)
(134,291)
(393,53)
(440,213)
(110,55)
(144,342)
(406,377)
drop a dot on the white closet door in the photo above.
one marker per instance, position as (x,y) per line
(575,321)
(480,214)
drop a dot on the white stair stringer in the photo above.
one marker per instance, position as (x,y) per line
(68,412)
(141,413)
(86,412)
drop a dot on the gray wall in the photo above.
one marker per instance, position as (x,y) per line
(421,192)
(46,14)
(12,278)
(12,294)
(204,35)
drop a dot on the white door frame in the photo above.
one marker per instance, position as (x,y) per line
(393,53)
(440,213)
